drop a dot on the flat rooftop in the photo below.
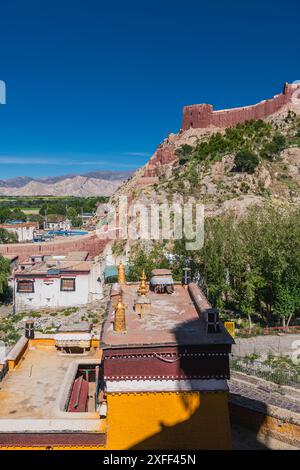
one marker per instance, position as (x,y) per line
(31,389)
(31,395)
(43,267)
(172,319)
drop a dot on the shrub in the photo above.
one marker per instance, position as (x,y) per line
(246,161)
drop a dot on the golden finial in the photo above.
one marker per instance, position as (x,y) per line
(119,320)
(143,289)
(121,274)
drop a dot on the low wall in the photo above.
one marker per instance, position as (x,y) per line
(17,352)
(277,428)
(90,243)
(279,423)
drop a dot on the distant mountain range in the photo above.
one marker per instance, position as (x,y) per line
(96,183)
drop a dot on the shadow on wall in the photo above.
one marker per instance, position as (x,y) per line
(207,424)
(250,420)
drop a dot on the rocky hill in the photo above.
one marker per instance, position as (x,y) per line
(201,160)
(98,183)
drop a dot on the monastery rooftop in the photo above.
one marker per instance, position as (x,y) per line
(172,319)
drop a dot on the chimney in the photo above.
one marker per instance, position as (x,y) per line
(119,320)
(121,274)
(29,329)
(213,325)
(186,280)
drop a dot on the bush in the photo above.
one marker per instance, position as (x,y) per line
(246,161)
(271,150)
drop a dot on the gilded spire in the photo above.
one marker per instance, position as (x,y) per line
(119,320)
(121,274)
(143,289)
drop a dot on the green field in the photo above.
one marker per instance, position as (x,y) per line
(35,202)
(35,208)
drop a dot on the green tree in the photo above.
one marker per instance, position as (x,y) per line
(4,273)
(5,214)
(7,237)
(144,259)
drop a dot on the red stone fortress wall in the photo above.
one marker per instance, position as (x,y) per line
(90,243)
(203,115)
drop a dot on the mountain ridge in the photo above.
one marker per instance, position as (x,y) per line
(93,183)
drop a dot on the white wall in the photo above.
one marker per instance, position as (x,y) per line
(47,293)
(24,234)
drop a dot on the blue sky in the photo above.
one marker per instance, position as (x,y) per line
(93,84)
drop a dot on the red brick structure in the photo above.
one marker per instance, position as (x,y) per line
(203,115)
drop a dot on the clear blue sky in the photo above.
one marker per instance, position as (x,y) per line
(94,84)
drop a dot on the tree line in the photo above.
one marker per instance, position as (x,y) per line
(249,267)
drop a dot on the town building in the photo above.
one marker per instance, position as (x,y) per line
(25,231)
(57,282)
(58,225)
(155,379)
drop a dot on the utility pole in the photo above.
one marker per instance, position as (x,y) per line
(46,216)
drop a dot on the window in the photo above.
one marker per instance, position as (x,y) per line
(25,286)
(67,284)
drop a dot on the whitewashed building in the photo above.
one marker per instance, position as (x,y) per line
(59,225)
(58,282)
(25,231)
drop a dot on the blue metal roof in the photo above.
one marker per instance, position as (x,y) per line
(111,271)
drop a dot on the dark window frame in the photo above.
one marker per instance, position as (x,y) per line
(62,279)
(23,281)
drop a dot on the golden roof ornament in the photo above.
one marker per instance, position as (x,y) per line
(142,303)
(119,320)
(143,288)
(121,274)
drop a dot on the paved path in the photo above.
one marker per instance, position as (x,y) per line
(262,396)
(263,345)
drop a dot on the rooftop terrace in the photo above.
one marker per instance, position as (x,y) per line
(172,319)
(32,395)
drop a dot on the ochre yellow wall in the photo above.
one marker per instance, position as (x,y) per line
(168,420)
(165,420)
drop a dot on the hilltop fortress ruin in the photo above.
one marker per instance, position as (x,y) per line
(203,116)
